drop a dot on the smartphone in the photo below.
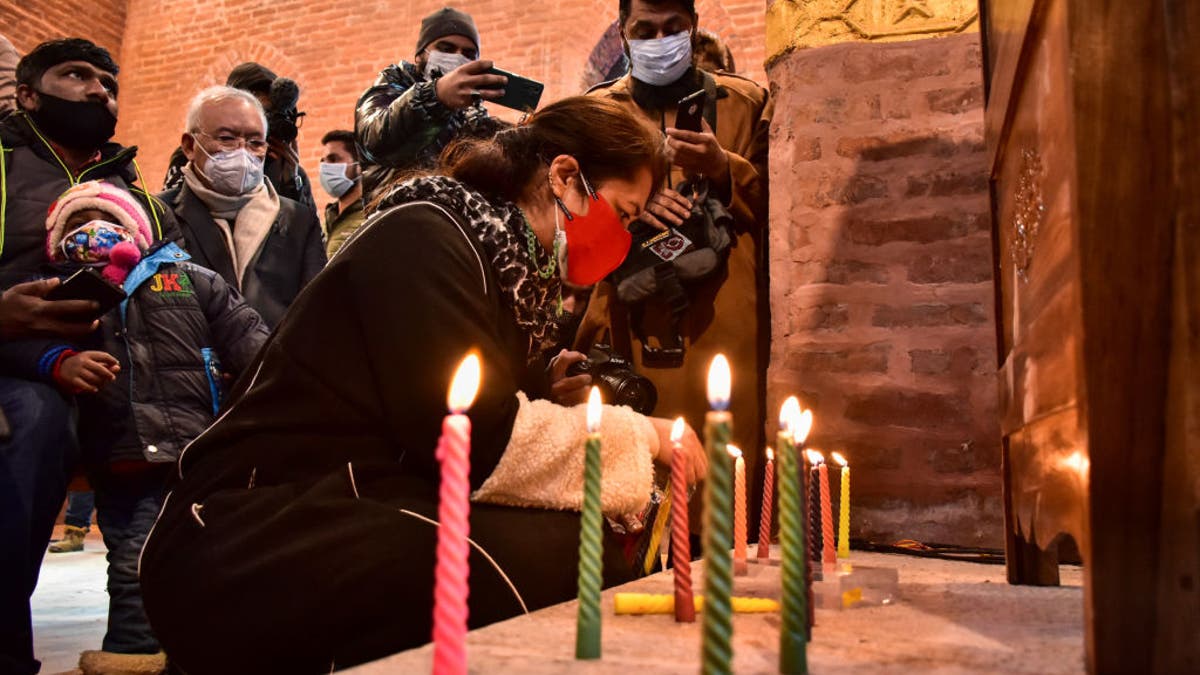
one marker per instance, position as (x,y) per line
(690,112)
(87,284)
(521,93)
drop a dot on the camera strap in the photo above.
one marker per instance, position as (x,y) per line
(671,291)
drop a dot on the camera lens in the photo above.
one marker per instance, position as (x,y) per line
(632,390)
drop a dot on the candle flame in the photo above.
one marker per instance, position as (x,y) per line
(677,430)
(734,451)
(789,414)
(719,383)
(814,457)
(770,454)
(465,384)
(837,457)
(803,426)
(594,406)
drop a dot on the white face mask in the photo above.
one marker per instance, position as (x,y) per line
(334,179)
(661,61)
(560,247)
(443,62)
(233,172)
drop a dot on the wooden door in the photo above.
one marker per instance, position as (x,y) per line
(1091,122)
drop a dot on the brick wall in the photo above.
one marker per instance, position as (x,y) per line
(881,279)
(334,50)
(28,24)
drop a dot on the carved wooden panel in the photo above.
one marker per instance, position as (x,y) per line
(811,23)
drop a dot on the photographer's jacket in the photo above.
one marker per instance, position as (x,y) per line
(400,125)
(728,312)
(34,176)
(180,328)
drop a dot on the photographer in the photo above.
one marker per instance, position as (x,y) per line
(704,291)
(414,110)
(322,474)
(278,96)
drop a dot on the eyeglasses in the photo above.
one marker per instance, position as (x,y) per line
(255,145)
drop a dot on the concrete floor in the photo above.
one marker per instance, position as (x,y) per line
(70,606)
(952,618)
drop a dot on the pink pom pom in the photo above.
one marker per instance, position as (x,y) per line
(121,259)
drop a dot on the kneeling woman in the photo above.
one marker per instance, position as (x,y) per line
(300,535)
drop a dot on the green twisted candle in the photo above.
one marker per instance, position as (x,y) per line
(717,655)
(793,635)
(591,544)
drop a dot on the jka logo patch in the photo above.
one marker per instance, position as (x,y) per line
(175,284)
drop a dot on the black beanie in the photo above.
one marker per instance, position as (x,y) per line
(446,21)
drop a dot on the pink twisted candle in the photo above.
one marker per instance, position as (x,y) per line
(681,554)
(828,551)
(740,568)
(764,521)
(450,587)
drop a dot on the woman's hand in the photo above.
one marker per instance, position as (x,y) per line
(568,390)
(697,459)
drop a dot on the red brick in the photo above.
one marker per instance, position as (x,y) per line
(838,189)
(899,61)
(960,361)
(966,457)
(961,265)
(887,406)
(948,183)
(956,100)
(930,315)
(921,229)
(846,359)
(896,145)
(828,317)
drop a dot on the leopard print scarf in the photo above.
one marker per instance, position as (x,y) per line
(501,228)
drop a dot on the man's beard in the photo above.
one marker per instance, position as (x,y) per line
(651,97)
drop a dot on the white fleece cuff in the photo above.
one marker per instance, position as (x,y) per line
(542,466)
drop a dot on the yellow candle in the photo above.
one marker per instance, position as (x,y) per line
(663,603)
(843,545)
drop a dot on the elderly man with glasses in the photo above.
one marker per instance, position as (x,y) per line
(233,219)
(414,110)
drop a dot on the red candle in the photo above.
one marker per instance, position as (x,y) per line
(828,550)
(740,568)
(764,522)
(681,553)
(450,575)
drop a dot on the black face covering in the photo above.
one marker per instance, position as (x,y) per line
(79,125)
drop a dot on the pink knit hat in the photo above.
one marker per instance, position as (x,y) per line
(120,207)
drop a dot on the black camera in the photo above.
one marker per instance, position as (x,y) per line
(618,383)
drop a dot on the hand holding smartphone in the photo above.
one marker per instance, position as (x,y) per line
(87,284)
(521,93)
(690,112)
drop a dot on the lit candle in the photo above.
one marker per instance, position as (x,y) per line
(681,554)
(717,652)
(591,544)
(793,635)
(450,574)
(764,521)
(740,568)
(828,549)
(843,546)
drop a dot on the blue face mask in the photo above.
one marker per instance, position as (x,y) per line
(334,179)
(661,61)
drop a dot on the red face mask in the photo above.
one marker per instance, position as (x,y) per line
(597,242)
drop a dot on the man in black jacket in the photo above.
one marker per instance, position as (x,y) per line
(235,223)
(58,136)
(414,110)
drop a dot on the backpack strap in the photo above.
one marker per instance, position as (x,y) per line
(669,289)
